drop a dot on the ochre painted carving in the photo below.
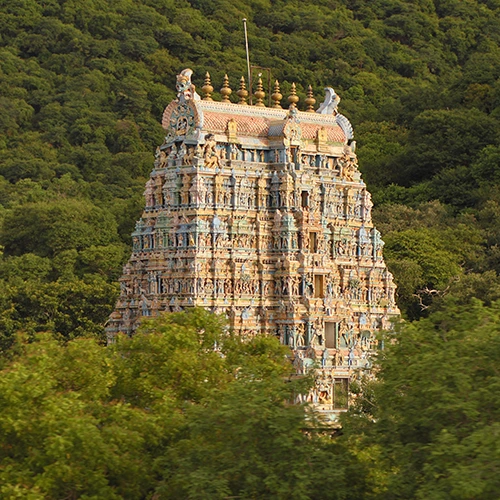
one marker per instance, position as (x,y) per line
(269,223)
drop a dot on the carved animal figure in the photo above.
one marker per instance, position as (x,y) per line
(329,105)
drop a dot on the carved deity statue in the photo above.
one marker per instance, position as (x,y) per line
(210,153)
(149,193)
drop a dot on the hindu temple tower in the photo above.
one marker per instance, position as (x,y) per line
(260,213)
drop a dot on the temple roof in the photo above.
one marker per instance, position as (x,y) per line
(191,118)
(252,121)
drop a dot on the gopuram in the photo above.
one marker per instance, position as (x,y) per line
(260,213)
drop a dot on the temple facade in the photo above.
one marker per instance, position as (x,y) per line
(260,213)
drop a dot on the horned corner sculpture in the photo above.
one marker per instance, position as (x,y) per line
(260,213)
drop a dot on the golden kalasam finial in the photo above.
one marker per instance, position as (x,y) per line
(310,100)
(276,96)
(243,92)
(225,91)
(207,88)
(260,94)
(293,98)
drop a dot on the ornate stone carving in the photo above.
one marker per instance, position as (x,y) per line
(232,129)
(211,155)
(267,221)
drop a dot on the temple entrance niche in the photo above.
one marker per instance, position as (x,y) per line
(331,334)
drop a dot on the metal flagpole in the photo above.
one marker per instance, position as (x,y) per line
(248,59)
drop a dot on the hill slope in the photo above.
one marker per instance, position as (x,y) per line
(84,83)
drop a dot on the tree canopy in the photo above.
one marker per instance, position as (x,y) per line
(187,410)
(82,88)
(431,420)
(184,410)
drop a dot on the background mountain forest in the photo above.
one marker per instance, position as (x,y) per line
(83,84)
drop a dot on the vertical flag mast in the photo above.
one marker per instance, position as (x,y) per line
(248,59)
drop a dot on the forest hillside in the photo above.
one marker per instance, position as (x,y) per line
(84,83)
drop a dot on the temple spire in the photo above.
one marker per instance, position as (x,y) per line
(276,96)
(225,91)
(207,88)
(310,101)
(293,98)
(260,94)
(242,92)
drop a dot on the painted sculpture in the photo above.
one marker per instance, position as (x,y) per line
(260,213)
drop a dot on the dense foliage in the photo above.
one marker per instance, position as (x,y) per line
(430,424)
(82,87)
(183,411)
(186,410)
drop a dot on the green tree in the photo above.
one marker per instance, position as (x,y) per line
(69,307)
(434,411)
(55,226)
(423,265)
(182,410)
(63,436)
(445,138)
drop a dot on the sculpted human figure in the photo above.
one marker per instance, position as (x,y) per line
(305,161)
(158,191)
(136,243)
(234,152)
(209,197)
(261,186)
(367,206)
(324,358)
(219,191)
(251,198)
(299,335)
(210,153)
(349,171)
(149,193)
(232,129)
(347,166)
(377,244)
(181,152)
(186,182)
(196,191)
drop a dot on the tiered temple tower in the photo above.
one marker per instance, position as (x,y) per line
(260,213)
